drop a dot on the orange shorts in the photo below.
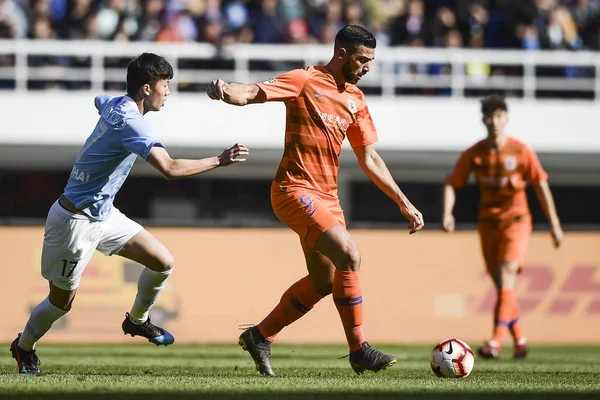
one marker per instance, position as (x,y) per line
(504,242)
(306,212)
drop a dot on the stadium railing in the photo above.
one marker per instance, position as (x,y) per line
(455,71)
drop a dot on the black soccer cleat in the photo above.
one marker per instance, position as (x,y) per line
(259,348)
(368,358)
(153,333)
(27,361)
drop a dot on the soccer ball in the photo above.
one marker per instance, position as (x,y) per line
(452,358)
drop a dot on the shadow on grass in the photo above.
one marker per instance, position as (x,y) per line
(302,395)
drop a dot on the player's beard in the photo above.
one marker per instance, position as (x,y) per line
(349,75)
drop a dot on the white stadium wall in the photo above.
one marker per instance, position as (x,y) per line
(432,124)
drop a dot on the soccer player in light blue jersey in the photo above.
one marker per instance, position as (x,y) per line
(84,218)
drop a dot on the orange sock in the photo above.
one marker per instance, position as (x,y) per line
(299,299)
(348,301)
(503,313)
(515,325)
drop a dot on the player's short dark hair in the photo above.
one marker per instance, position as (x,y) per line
(351,37)
(492,103)
(147,68)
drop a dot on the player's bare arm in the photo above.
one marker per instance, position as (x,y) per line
(237,94)
(171,168)
(544,195)
(375,168)
(448,222)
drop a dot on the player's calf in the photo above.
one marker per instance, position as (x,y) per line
(153,333)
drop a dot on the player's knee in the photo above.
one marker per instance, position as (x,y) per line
(61,298)
(62,303)
(507,274)
(163,263)
(168,263)
(66,307)
(322,286)
(350,259)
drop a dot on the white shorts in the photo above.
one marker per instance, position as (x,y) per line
(70,240)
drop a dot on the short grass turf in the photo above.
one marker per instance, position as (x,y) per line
(144,371)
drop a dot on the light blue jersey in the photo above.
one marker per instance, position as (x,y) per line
(107,156)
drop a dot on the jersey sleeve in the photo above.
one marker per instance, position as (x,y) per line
(533,168)
(137,138)
(459,177)
(285,87)
(100,100)
(362,132)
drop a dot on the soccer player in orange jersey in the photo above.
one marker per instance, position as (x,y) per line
(323,106)
(502,166)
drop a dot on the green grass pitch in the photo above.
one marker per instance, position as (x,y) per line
(143,371)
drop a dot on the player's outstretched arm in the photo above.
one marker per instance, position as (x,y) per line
(238,94)
(448,223)
(544,195)
(171,168)
(378,172)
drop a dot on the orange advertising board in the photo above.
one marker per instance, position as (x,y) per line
(417,289)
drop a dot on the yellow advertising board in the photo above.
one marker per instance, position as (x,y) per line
(417,289)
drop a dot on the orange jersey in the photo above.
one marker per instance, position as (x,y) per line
(319,116)
(501,176)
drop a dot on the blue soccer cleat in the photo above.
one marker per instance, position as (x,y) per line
(153,333)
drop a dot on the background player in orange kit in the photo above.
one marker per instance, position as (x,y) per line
(502,166)
(323,106)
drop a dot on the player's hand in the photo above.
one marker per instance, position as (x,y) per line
(230,156)
(557,236)
(448,224)
(216,89)
(413,216)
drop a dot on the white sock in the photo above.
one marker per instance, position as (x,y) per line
(41,319)
(150,284)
